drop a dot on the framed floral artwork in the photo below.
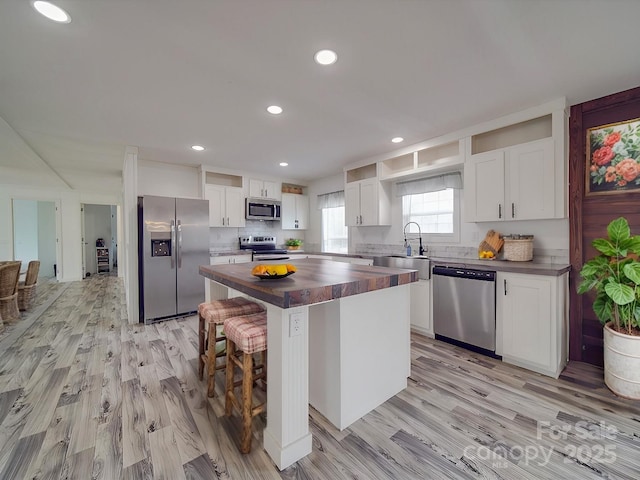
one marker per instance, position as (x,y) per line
(613,158)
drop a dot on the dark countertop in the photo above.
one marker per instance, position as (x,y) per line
(531,268)
(315,281)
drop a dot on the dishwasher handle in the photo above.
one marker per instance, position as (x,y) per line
(455,272)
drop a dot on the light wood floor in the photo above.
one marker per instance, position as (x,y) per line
(84,395)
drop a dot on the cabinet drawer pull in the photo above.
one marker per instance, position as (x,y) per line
(505,286)
(513,210)
(499,210)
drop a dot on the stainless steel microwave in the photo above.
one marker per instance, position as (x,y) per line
(262,209)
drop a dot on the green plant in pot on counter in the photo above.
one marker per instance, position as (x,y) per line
(293,243)
(614,276)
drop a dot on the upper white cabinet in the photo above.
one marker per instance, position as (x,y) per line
(226,199)
(226,206)
(514,183)
(367,200)
(264,189)
(294,211)
(531,321)
(517,171)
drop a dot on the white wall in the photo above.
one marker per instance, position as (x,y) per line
(167,180)
(25,230)
(46,238)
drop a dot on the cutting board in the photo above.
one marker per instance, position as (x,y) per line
(492,242)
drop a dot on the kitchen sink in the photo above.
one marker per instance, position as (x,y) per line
(419,263)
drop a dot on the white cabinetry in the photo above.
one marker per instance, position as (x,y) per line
(226,259)
(367,200)
(515,183)
(421,307)
(295,211)
(264,189)
(225,193)
(531,321)
(226,206)
(218,290)
(517,169)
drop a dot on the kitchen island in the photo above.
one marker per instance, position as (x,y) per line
(357,317)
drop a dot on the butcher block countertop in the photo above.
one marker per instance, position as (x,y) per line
(315,281)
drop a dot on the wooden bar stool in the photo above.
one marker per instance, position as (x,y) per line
(210,315)
(245,336)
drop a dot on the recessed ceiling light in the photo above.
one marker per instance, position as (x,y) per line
(274,109)
(197,148)
(52,12)
(283,164)
(397,139)
(326,57)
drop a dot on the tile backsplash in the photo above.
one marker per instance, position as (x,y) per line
(226,239)
(554,256)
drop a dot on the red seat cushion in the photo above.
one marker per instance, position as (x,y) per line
(219,310)
(249,333)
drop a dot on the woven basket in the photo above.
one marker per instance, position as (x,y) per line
(518,250)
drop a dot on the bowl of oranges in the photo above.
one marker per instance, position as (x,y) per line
(273,271)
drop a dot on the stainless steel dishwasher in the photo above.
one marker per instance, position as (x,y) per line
(464,307)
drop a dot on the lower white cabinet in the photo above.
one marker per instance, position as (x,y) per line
(531,321)
(421,307)
(221,259)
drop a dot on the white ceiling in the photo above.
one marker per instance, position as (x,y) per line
(163,75)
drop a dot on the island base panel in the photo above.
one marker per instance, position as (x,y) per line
(359,353)
(286,436)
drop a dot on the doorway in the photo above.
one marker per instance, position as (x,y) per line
(99,239)
(34,234)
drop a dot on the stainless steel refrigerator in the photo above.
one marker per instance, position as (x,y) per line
(173,241)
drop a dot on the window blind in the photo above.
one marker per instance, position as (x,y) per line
(331,200)
(429,184)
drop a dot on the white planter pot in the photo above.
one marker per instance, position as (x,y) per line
(622,363)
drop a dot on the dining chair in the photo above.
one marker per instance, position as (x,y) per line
(9,275)
(27,289)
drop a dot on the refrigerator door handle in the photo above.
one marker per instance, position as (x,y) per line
(173,243)
(179,250)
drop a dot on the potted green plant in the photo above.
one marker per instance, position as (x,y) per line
(293,243)
(614,276)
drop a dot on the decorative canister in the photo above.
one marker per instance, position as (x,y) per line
(518,248)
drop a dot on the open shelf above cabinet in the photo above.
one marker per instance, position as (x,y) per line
(215,178)
(361,173)
(432,159)
(516,134)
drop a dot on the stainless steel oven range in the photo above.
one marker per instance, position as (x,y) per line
(263,248)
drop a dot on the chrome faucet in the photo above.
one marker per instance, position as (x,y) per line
(421,249)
